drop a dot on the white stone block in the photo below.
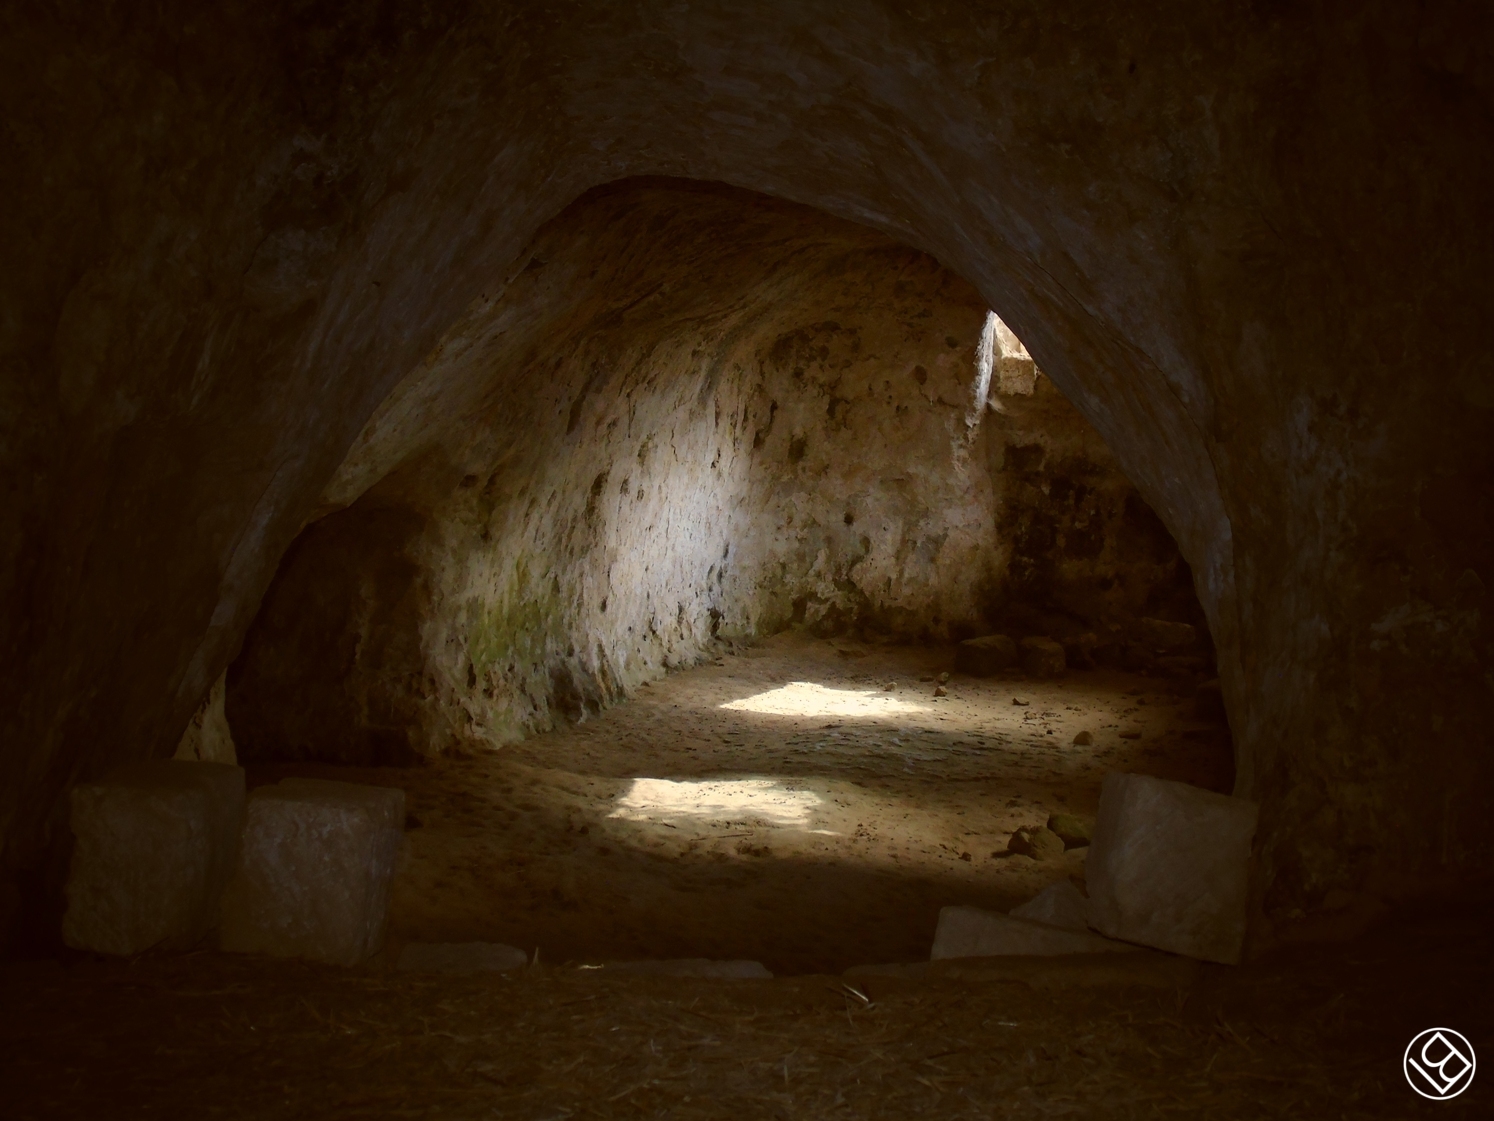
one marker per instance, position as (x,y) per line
(314,871)
(1059,904)
(461,957)
(1168,866)
(968,932)
(153,845)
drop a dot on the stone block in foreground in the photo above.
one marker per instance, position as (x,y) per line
(154,844)
(314,871)
(1168,866)
(983,657)
(968,932)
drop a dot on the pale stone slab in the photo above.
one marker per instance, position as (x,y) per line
(314,871)
(1059,904)
(461,957)
(968,932)
(1168,866)
(153,845)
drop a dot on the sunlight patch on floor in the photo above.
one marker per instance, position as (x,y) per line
(727,800)
(805,698)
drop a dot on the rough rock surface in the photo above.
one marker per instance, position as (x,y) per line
(314,870)
(1039,843)
(208,738)
(982,657)
(1073,831)
(968,932)
(153,846)
(1169,865)
(1041,657)
(563,501)
(1249,242)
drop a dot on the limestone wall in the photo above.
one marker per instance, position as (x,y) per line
(700,415)
(1248,241)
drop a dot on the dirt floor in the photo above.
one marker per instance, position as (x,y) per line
(1314,1032)
(783,805)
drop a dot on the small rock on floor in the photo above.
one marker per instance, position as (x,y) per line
(1072,830)
(1040,844)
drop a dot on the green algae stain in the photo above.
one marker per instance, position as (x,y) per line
(517,625)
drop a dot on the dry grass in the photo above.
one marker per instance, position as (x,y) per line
(219,1036)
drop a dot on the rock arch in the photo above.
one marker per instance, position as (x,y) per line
(1248,244)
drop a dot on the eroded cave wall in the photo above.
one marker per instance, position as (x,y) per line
(703,415)
(699,415)
(1248,241)
(1084,559)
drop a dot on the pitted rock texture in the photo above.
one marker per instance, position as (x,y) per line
(1250,243)
(699,416)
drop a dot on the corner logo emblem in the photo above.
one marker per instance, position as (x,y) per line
(1439,1064)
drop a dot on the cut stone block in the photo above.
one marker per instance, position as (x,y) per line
(154,844)
(1168,866)
(1059,904)
(968,932)
(693,967)
(1042,657)
(314,871)
(982,657)
(461,957)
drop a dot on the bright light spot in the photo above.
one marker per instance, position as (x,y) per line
(804,698)
(742,800)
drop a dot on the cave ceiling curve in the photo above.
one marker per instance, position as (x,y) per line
(235,232)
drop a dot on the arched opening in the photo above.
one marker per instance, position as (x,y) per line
(697,420)
(1248,241)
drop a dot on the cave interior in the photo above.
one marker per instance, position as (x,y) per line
(650,520)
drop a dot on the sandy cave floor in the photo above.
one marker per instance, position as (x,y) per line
(569,842)
(781,805)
